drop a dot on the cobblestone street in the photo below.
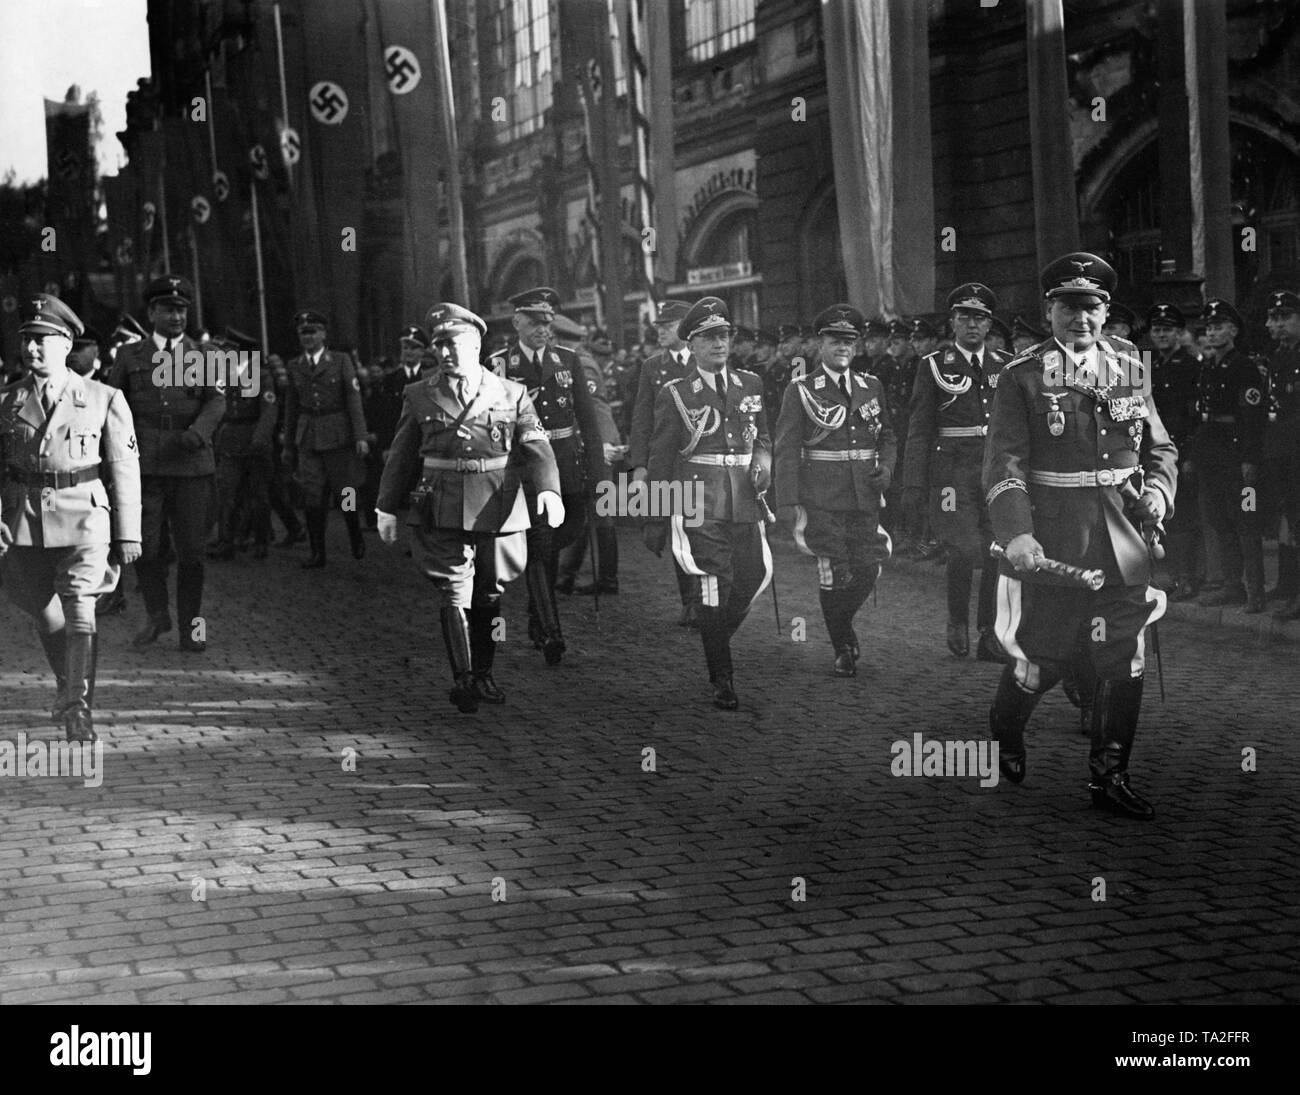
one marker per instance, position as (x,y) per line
(225,780)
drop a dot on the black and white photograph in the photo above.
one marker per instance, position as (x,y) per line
(647,502)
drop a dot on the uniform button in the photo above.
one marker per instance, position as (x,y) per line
(1103,433)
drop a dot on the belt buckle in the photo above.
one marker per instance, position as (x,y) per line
(1105,478)
(473,464)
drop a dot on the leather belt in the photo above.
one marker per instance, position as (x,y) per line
(1107,477)
(560,434)
(839,455)
(1224,419)
(472,464)
(963,431)
(56,479)
(723,459)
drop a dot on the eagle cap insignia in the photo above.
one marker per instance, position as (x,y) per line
(1082,266)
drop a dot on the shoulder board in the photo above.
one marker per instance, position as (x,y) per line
(1030,353)
(1000,356)
(675,381)
(745,373)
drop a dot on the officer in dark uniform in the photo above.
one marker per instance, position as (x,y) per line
(951,400)
(834,461)
(568,415)
(924,338)
(244,457)
(1229,449)
(1069,429)
(1282,446)
(281,489)
(174,424)
(1024,335)
(412,345)
(69,501)
(897,372)
(470,436)
(742,348)
(600,469)
(1121,321)
(325,434)
(1173,386)
(711,438)
(671,361)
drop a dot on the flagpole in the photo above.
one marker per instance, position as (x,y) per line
(212,120)
(257,252)
(284,92)
(194,271)
(442,62)
(162,213)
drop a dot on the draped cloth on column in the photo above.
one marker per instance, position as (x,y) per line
(878,74)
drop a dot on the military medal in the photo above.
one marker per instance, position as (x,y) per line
(496,433)
(1055,418)
(750,433)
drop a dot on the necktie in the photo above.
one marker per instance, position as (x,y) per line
(975,362)
(844,387)
(722,383)
(47,399)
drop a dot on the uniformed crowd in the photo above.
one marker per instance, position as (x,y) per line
(938,436)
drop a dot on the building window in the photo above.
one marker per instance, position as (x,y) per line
(516,45)
(716,26)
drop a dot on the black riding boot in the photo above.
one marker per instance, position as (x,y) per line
(717,656)
(353,521)
(189,606)
(1012,706)
(56,653)
(314,519)
(1115,711)
(544,617)
(455,633)
(79,670)
(835,610)
(483,650)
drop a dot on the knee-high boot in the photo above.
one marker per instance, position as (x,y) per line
(455,633)
(1012,706)
(189,605)
(55,646)
(483,650)
(544,617)
(1115,711)
(717,656)
(314,519)
(836,610)
(78,721)
(352,520)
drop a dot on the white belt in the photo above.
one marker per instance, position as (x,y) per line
(473,464)
(560,434)
(963,431)
(723,460)
(838,455)
(1107,477)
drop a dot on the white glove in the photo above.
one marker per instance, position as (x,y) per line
(549,504)
(387,527)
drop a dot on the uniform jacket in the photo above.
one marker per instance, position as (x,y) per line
(1060,427)
(323,404)
(810,408)
(736,427)
(163,413)
(605,425)
(1282,437)
(1234,389)
(501,421)
(562,401)
(1173,384)
(656,371)
(385,406)
(91,423)
(249,426)
(947,395)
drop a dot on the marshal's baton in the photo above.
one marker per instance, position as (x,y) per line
(1091,579)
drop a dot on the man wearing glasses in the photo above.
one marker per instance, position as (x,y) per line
(949,421)
(711,444)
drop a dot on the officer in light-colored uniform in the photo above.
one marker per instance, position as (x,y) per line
(69,502)
(473,439)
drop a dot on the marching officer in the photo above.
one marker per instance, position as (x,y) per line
(1230,395)
(469,435)
(1173,386)
(69,502)
(951,400)
(710,436)
(835,456)
(568,414)
(174,424)
(413,344)
(1282,445)
(244,457)
(1069,431)
(282,489)
(600,468)
(325,433)
(670,362)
